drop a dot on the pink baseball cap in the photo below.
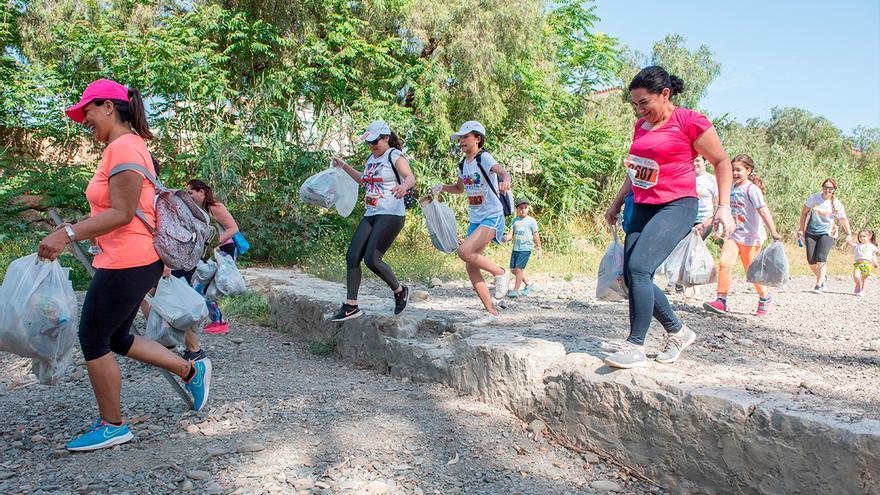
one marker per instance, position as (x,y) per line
(100,89)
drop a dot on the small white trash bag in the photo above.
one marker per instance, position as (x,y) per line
(691,264)
(330,188)
(163,333)
(770,266)
(179,304)
(38,315)
(228,279)
(442,228)
(611,286)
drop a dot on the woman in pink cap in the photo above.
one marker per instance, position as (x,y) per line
(127,265)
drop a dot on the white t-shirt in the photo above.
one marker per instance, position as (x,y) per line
(707,190)
(482,201)
(822,216)
(744,203)
(864,252)
(378,180)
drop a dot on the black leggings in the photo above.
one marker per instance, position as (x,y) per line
(818,247)
(652,233)
(111,304)
(372,237)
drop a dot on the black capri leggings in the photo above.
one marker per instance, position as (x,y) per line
(373,236)
(818,247)
(111,304)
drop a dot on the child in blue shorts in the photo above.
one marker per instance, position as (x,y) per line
(524,231)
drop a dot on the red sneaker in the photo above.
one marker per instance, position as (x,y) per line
(217,327)
(764,306)
(717,306)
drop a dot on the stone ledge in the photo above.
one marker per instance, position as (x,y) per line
(690,439)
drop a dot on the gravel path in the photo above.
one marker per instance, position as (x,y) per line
(281,420)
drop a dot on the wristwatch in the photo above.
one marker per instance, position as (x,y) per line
(70,233)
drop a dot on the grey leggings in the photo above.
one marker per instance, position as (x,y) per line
(651,235)
(373,236)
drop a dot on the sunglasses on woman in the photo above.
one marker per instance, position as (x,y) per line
(374,142)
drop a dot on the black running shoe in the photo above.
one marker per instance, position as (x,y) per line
(347,312)
(193,356)
(400,299)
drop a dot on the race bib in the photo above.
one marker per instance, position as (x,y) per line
(371,201)
(475,200)
(643,172)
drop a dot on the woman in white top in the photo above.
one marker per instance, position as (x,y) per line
(483,180)
(818,230)
(386,179)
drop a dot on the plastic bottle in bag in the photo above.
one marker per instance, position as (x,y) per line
(442,227)
(38,315)
(611,285)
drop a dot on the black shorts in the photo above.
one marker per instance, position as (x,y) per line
(519,259)
(818,247)
(111,304)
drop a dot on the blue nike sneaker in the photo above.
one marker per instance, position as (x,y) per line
(200,384)
(100,436)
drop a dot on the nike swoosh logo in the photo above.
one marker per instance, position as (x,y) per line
(349,313)
(109,432)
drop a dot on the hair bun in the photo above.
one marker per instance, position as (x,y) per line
(676,86)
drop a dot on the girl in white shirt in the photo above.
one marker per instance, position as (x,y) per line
(864,258)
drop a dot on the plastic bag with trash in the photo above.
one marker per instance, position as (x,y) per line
(179,304)
(228,279)
(204,274)
(770,266)
(440,220)
(611,286)
(162,332)
(691,264)
(38,315)
(330,188)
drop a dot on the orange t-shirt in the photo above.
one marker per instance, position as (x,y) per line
(131,245)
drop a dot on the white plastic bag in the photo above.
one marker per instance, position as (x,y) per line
(690,263)
(442,228)
(611,286)
(228,279)
(205,271)
(330,188)
(38,315)
(179,304)
(770,266)
(163,333)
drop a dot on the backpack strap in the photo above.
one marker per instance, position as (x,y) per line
(393,168)
(158,185)
(485,175)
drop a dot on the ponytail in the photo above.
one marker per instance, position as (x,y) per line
(137,114)
(754,179)
(132,112)
(394,141)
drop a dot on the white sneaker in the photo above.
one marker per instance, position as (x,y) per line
(675,344)
(502,283)
(486,321)
(627,356)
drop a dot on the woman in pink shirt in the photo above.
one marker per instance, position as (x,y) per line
(660,175)
(128,265)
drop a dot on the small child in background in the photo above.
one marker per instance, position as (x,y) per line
(864,258)
(524,231)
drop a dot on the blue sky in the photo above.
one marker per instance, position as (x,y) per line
(818,55)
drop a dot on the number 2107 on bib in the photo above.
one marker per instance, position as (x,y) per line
(643,172)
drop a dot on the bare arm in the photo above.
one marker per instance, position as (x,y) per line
(125,192)
(803,223)
(709,145)
(222,215)
(616,204)
(504,179)
(407,176)
(456,188)
(845,222)
(765,214)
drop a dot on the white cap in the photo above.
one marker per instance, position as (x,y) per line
(467,128)
(375,129)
